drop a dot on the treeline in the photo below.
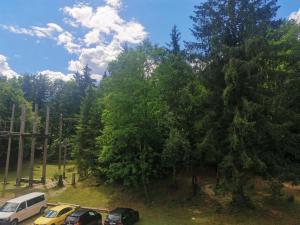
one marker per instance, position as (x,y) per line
(229,100)
(30,89)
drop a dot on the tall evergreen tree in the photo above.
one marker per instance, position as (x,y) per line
(84,80)
(87,130)
(174,45)
(228,35)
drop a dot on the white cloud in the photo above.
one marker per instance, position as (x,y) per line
(114,3)
(5,70)
(35,31)
(96,36)
(66,39)
(106,34)
(295,16)
(53,75)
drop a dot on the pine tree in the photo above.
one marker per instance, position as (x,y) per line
(174,45)
(229,34)
(84,80)
(88,129)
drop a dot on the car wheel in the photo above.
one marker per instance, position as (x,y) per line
(14,222)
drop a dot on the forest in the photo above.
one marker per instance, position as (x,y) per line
(227,102)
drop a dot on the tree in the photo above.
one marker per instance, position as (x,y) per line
(219,23)
(131,143)
(180,89)
(228,34)
(84,80)
(283,161)
(174,45)
(87,130)
(11,93)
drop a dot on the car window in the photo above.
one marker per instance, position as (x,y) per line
(114,217)
(91,213)
(51,214)
(9,207)
(72,219)
(22,206)
(35,200)
(64,211)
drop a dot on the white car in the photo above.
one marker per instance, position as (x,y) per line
(22,208)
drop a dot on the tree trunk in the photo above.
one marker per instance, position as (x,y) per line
(143,149)
(194,184)
(239,199)
(174,178)
(145,186)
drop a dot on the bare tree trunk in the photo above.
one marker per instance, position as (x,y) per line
(33,141)
(45,153)
(194,184)
(9,143)
(21,146)
(175,185)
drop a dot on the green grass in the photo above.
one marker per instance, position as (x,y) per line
(165,210)
(168,206)
(10,189)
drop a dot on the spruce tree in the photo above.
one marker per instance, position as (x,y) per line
(174,45)
(230,42)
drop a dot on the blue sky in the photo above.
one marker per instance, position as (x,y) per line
(24,49)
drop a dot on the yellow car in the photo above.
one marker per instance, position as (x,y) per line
(55,216)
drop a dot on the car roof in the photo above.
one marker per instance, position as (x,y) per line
(26,197)
(120,210)
(60,207)
(80,212)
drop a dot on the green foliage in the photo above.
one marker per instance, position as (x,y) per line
(232,103)
(131,143)
(88,129)
(11,93)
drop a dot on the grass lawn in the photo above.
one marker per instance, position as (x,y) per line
(168,206)
(166,210)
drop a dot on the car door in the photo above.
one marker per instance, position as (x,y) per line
(62,215)
(130,217)
(133,217)
(92,218)
(32,207)
(21,213)
(126,218)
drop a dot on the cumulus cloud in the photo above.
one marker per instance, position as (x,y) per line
(106,32)
(295,16)
(54,75)
(114,3)
(5,69)
(101,33)
(67,40)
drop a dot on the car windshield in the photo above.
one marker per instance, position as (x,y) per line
(114,217)
(9,207)
(71,219)
(50,214)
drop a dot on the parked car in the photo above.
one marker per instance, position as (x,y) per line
(84,217)
(22,208)
(122,216)
(55,215)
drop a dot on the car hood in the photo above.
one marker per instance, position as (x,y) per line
(4,215)
(43,220)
